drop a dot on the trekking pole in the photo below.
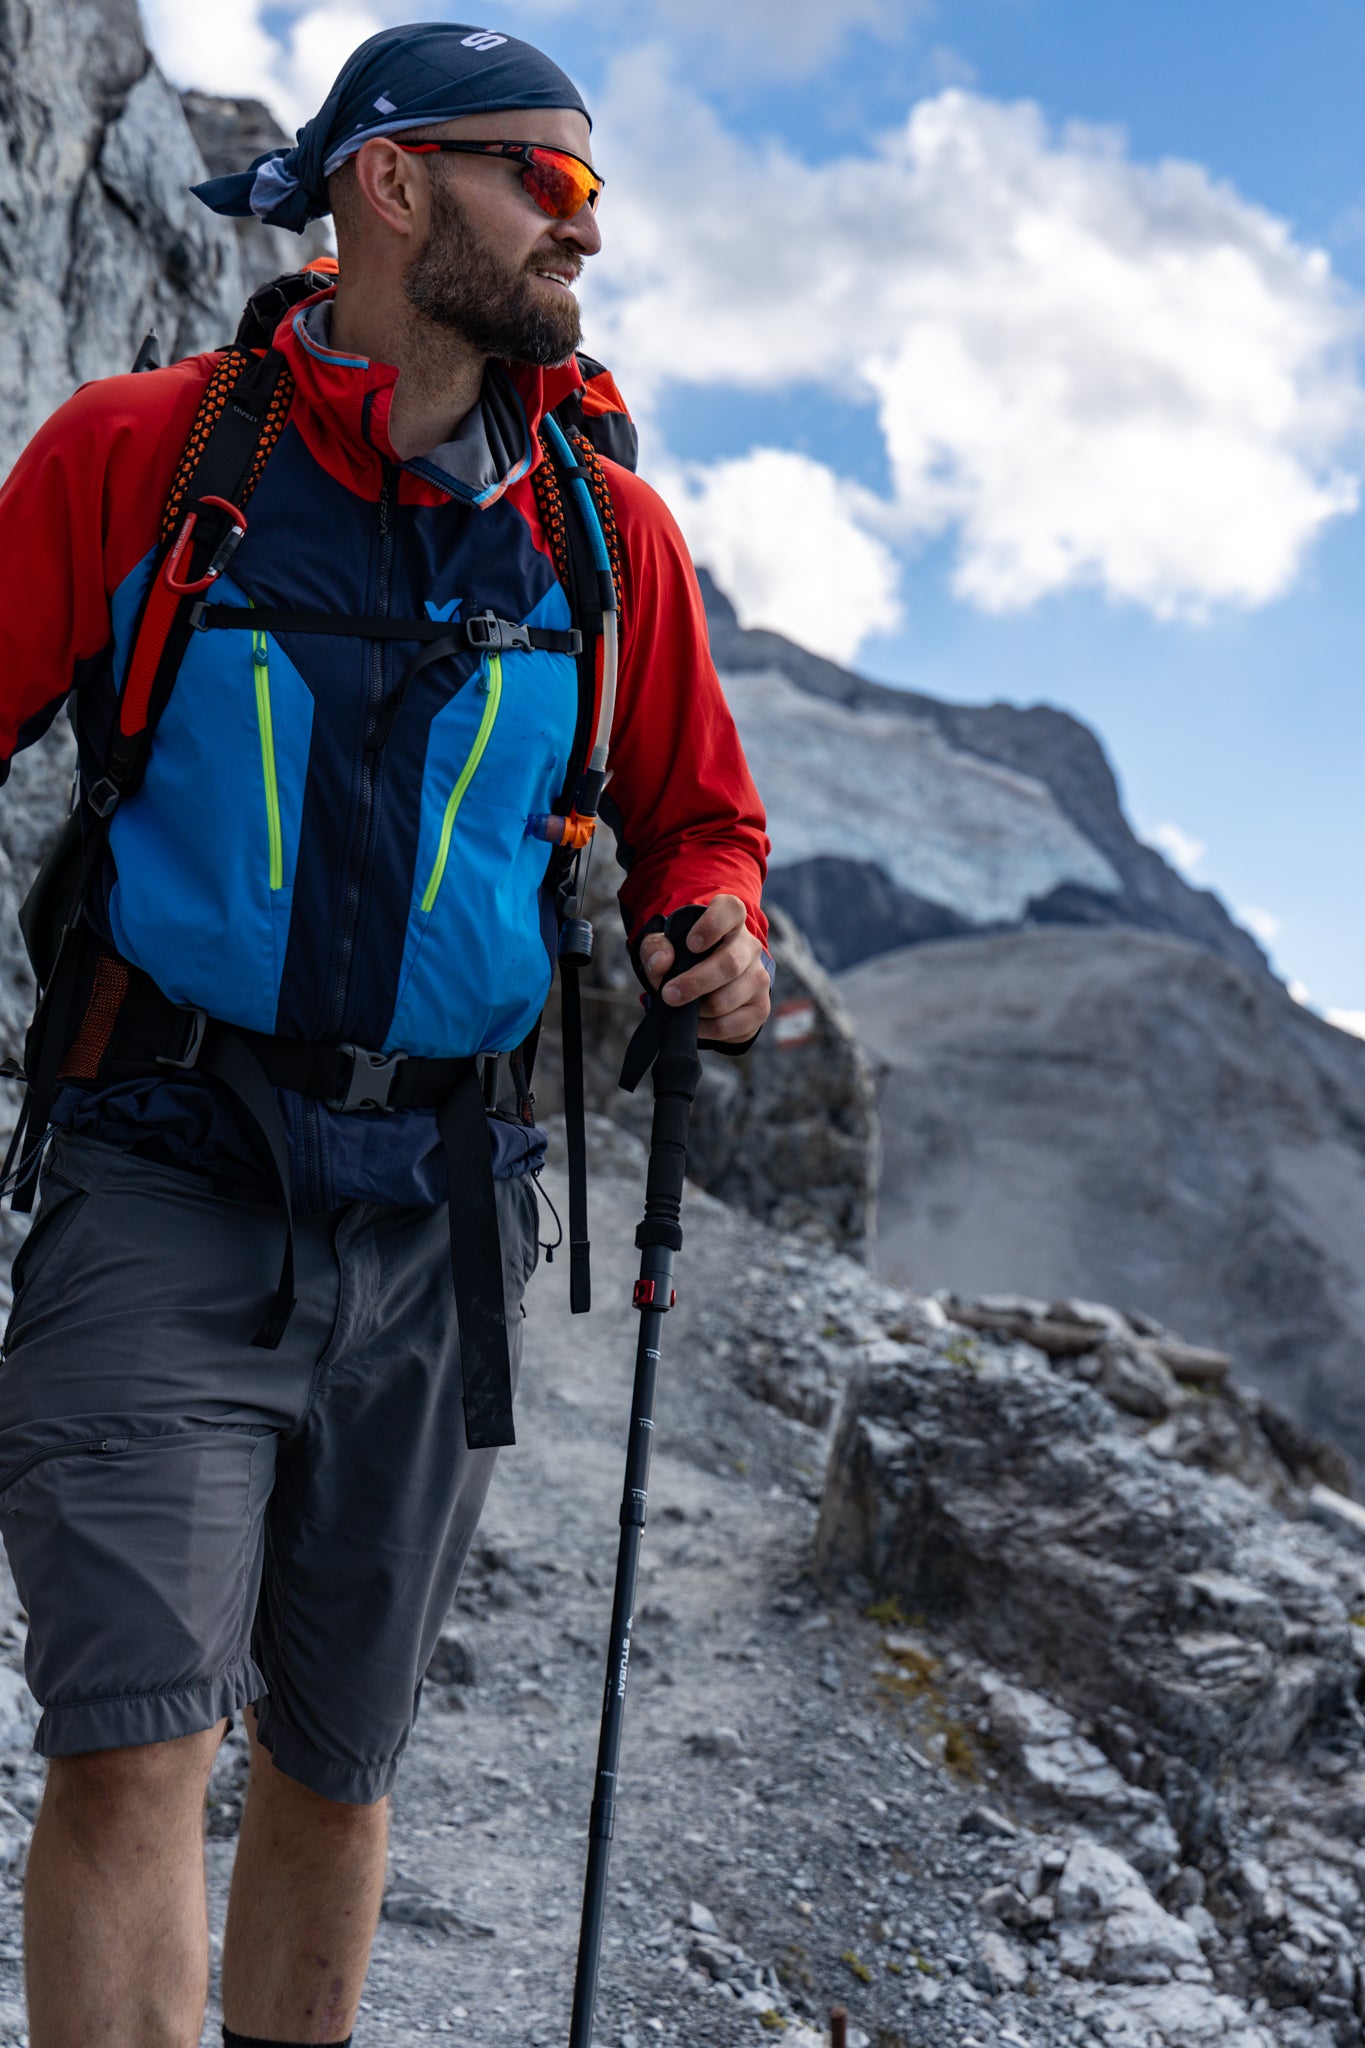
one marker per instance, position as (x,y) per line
(667,1041)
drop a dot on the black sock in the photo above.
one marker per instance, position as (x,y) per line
(231,2040)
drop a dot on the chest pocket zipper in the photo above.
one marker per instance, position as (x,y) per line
(260,662)
(493,673)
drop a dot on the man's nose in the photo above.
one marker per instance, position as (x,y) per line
(581,230)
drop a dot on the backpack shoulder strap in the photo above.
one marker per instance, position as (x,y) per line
(240,419)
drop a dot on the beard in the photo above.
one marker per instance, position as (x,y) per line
(458,282)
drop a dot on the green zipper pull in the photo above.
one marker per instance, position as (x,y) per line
(260,661)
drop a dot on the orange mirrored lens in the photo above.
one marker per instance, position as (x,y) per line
(560,185)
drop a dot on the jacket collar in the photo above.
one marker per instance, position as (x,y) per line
(350,397)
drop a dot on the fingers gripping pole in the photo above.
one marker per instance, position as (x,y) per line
(668,1042)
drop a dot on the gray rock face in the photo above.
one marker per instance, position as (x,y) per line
(967,816)
(99,236)
(1116,1115)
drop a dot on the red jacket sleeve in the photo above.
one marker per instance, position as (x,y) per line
(691,824)
(80,508)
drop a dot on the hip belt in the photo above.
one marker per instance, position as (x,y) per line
(129,1029)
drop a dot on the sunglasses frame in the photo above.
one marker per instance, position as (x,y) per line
(513,152)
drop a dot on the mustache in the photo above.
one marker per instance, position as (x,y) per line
(572,265)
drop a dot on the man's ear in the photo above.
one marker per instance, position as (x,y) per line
(392,186)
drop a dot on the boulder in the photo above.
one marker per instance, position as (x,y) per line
(787,1131)
(989,1493)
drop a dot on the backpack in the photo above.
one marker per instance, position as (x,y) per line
(98,1017)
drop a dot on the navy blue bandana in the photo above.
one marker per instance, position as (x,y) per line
(410,77)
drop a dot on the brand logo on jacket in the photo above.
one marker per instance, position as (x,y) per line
(442,614)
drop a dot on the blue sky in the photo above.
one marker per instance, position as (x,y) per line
(1042,416)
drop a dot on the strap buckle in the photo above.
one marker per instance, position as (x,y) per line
(103,797)
(489,634)
(196,1022)
(370,1081)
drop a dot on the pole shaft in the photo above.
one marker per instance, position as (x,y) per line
(657,1264)
(667,1040)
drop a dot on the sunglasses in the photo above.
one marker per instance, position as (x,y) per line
(561,184)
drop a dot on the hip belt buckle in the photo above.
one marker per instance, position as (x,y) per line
(196,1023)
(370,1081)
(487,633)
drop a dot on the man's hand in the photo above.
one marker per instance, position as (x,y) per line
(733,983)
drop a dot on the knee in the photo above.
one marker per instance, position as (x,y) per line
(299,1807)
(273,1788)
(104,1786)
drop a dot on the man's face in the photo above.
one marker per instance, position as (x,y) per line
(494,268)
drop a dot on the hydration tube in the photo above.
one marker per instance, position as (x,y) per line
(577,829)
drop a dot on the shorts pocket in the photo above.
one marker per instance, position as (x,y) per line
(137,1557)
(519,1232)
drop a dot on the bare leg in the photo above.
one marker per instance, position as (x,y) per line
(306,1891)
(116,1923)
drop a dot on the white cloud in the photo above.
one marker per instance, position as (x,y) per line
(1092,372)
(1262,924)
(1348,1020)
(1301,994)
(817,574)
(1181,848)
(292,71)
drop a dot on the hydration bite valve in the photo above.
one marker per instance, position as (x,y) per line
(575,942)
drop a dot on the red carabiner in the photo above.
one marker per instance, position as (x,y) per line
(220,559)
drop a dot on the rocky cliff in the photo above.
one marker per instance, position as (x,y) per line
(897,818)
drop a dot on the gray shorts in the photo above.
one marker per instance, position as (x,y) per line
(194,1523)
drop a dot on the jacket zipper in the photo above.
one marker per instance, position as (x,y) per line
(370,767)
(493,677)
(260,661)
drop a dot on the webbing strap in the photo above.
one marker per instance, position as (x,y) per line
(480,634)
(54,1020)
(476,1266)
(575,1140)
(226,452)
(232,1063)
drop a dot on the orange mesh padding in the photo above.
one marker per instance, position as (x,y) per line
(554,518)
(110,986)
(216,394)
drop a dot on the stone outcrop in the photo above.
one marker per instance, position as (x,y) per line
(1158,1655)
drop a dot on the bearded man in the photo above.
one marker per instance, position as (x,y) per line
(332,859)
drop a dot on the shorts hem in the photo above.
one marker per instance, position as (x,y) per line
(331,1777)
(132,1720)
